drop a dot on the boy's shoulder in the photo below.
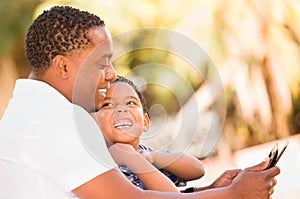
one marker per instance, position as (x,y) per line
(143,147)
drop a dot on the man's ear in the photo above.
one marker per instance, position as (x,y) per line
(60,64)
(146,122)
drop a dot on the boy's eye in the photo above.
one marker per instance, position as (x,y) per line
(131,103)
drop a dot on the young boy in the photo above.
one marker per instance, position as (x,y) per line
(123,117)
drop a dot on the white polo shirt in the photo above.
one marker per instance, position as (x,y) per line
(48,146)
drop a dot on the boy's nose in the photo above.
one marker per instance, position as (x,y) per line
(121,108)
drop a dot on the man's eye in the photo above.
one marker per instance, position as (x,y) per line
(103,66)
(107,105)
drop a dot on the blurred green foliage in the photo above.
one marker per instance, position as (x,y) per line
(15,18)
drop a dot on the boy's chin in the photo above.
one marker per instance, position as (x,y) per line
(133,131)
(131,134)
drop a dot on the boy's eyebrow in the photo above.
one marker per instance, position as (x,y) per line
(131,96)
(127,97)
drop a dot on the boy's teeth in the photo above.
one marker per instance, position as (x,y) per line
(122,124)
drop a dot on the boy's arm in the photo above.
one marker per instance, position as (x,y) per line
(184,166)
(153,179)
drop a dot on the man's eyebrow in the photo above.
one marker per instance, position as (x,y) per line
(107,98)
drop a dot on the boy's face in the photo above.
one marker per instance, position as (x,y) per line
(121,116)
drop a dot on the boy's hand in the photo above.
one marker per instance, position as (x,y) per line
(122,153)
(148,155)
(125,154)
(225,179)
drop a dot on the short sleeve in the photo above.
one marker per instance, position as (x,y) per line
(87,153)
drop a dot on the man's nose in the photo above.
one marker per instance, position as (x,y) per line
(110,73)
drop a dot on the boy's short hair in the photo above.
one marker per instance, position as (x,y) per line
(137,90)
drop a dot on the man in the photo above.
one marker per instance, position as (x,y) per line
(50,147)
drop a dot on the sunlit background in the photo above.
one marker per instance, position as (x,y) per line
(254,44)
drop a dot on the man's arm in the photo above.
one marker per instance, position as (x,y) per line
(113,184)
(251,183)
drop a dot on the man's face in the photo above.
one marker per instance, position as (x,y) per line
(93,70)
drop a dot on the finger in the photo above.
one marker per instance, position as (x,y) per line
(274,182)
(271,191)
(272,172)
(233,173)
(259,167)
(140,150)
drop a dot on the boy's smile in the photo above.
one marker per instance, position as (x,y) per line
(121,117)
(123,123)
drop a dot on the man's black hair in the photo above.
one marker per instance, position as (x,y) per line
(58,31)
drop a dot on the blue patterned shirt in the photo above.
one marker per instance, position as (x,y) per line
(137,182)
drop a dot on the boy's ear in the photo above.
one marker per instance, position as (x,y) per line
(146,122)
(60,64)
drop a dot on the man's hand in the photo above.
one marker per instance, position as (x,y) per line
(255,182)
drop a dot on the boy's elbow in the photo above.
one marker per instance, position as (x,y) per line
(199,172)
